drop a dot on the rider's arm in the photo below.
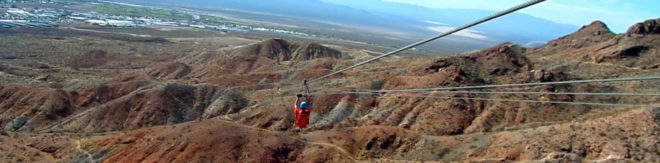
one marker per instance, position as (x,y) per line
(309,96)
(309,100)
(306,87)
(297,101)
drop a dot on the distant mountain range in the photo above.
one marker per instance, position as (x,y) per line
(518,28)
(392,20)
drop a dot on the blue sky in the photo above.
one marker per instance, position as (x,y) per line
(617,14)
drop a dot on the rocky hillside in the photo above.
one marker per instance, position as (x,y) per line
(234,105)
(645,28)
(282,50)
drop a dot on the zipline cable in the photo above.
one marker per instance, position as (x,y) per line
(521,93)
(546,102)
(641,78)
(499,14)
(518,101)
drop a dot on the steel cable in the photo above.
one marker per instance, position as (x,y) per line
(486,19)
(642,78)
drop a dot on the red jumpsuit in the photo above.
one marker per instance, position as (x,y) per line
(302,117)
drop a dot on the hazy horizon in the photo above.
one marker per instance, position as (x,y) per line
(618,14)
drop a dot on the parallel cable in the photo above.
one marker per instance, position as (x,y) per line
(524,93)
(642,78)
(518,101)
(547,102)
(496,15)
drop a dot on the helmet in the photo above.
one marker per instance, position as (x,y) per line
(304,105)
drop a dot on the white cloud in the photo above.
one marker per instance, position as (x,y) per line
(435,22)
(464,33)
(478,4)
(617,20)
(618,14)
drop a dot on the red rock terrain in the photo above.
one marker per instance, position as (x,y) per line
(234,105)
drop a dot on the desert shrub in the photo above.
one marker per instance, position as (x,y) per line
(377,84)
(91,59)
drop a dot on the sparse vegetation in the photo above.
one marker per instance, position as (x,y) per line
(377,84)
(133,99)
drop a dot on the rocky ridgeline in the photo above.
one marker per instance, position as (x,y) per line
(282,50)
(646,27)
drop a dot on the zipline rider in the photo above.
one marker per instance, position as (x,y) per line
(302,108)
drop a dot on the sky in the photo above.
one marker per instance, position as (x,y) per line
(619,15)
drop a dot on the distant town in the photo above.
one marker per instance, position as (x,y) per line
(17,17)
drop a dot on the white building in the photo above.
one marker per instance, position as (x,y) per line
(120,23)
(96,22)
(13,21)
(78,18)
(166,23)
(198,26)
(19,12)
